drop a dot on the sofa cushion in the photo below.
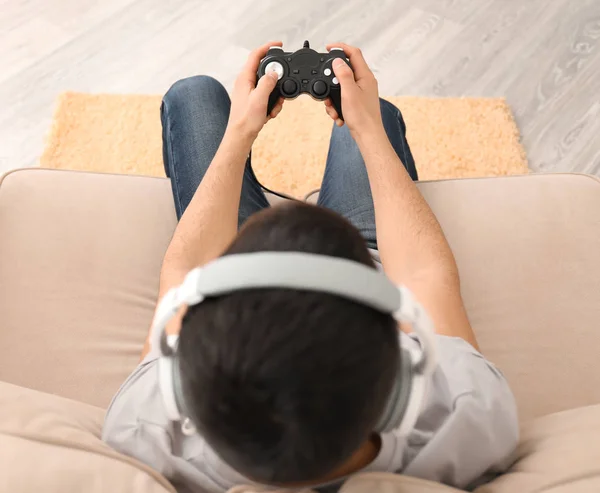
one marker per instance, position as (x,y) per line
(559,453)
(380,482)
(370,482)
(52,444)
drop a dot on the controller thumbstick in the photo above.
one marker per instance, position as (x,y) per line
(274,67)
(319,88)
(289,87)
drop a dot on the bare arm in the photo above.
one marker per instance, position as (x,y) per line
(210,222)
(411,243)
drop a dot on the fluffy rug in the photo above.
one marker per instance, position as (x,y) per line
(449,137)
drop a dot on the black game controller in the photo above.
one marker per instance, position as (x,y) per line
(303,72)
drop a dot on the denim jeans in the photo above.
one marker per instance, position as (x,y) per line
(194,116)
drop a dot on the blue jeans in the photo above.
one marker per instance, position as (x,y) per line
(194,116)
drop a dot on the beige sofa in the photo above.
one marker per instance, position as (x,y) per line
(80,256)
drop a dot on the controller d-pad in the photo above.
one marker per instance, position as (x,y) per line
(289,87)
(319,88)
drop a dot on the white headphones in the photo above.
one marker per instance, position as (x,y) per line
(309,272)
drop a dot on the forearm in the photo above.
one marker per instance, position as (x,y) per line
(409,237)
(210,221)
(411,243)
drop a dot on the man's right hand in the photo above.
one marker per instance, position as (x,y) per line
(360,95)
(249,100)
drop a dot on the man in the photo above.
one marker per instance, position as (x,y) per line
(285,386)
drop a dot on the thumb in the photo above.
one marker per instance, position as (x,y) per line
(265,85)
(343,73)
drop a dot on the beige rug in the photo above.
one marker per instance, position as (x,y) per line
(449,138)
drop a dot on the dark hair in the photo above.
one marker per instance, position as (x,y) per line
(285,385)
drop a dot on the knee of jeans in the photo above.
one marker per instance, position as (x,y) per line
(391,110)
(192,85)
(387,106)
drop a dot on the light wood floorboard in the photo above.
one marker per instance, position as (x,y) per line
(543,56)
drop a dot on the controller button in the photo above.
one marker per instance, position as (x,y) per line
(304,81)
(295,71)
(275,48)
(319,87)
(336,48)
(334,80)
(327,72)
(314,72)
(289,87)
(274,67)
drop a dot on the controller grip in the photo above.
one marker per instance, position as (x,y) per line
(273,99)
(336,101)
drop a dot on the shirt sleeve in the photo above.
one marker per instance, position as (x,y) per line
(469,427)
(135,424)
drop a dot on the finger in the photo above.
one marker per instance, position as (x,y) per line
(265,87)
(328,102)
(332,113)
(276,111)
(343,73)
(359,65)
(251,67)
(339,122)
(278,107)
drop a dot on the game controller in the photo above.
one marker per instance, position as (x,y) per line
(303,72)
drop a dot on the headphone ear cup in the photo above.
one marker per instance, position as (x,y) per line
(399,398)
(169,382)
(414,405)
(166,383)
(406,398)
(417,365)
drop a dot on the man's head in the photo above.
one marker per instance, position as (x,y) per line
(285,385)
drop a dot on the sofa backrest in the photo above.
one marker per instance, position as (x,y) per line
(80,256)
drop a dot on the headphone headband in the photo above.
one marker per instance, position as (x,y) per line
(309,272)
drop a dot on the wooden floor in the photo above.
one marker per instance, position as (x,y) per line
(543,55)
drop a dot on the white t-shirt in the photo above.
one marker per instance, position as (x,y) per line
(467,430)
